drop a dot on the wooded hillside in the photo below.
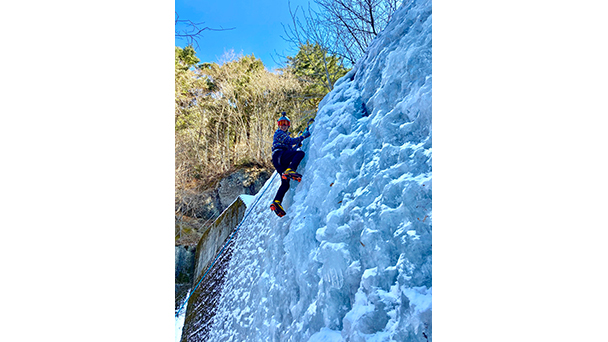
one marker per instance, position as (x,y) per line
(225,115)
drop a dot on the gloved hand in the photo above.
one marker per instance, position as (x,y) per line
(306,133)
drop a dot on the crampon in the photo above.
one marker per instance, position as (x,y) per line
(277,208)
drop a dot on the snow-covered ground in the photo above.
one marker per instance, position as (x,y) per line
(179,319)
(247,199)
(351,261)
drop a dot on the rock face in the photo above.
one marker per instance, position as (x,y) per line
(210,204)
(184,272)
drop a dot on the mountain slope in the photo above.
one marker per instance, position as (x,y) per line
(351,261)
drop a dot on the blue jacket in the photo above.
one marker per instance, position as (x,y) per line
(283,142)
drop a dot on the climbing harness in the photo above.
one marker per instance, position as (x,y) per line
(226,244)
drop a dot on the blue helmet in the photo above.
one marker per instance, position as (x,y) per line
(284,120)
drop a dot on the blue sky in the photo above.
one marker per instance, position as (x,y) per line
(257,27)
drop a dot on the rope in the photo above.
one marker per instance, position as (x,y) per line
(226,244)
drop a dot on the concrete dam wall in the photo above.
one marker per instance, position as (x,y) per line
(201,305)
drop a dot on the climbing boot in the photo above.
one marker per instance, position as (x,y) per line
(289,173)
(277,208)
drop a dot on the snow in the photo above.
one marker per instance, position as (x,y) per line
(351,261)
(247,199)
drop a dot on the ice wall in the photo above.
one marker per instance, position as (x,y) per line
(351,261)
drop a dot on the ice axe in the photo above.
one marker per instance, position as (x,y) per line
(308,124)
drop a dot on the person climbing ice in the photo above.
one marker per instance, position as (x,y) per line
(286,157)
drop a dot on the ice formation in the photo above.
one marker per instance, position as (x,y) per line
(351,261)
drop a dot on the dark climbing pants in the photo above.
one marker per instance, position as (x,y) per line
(282,160)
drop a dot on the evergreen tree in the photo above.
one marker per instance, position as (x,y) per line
(185,58)
(318,69)
(186,84)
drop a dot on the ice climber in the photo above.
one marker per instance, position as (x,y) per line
(286,157)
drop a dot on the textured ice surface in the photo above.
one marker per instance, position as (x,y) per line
(351,261)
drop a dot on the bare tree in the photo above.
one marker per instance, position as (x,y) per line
(191,32)
(358,22)
(308,27)
(343,27)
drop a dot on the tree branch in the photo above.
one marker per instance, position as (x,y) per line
(191,31)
